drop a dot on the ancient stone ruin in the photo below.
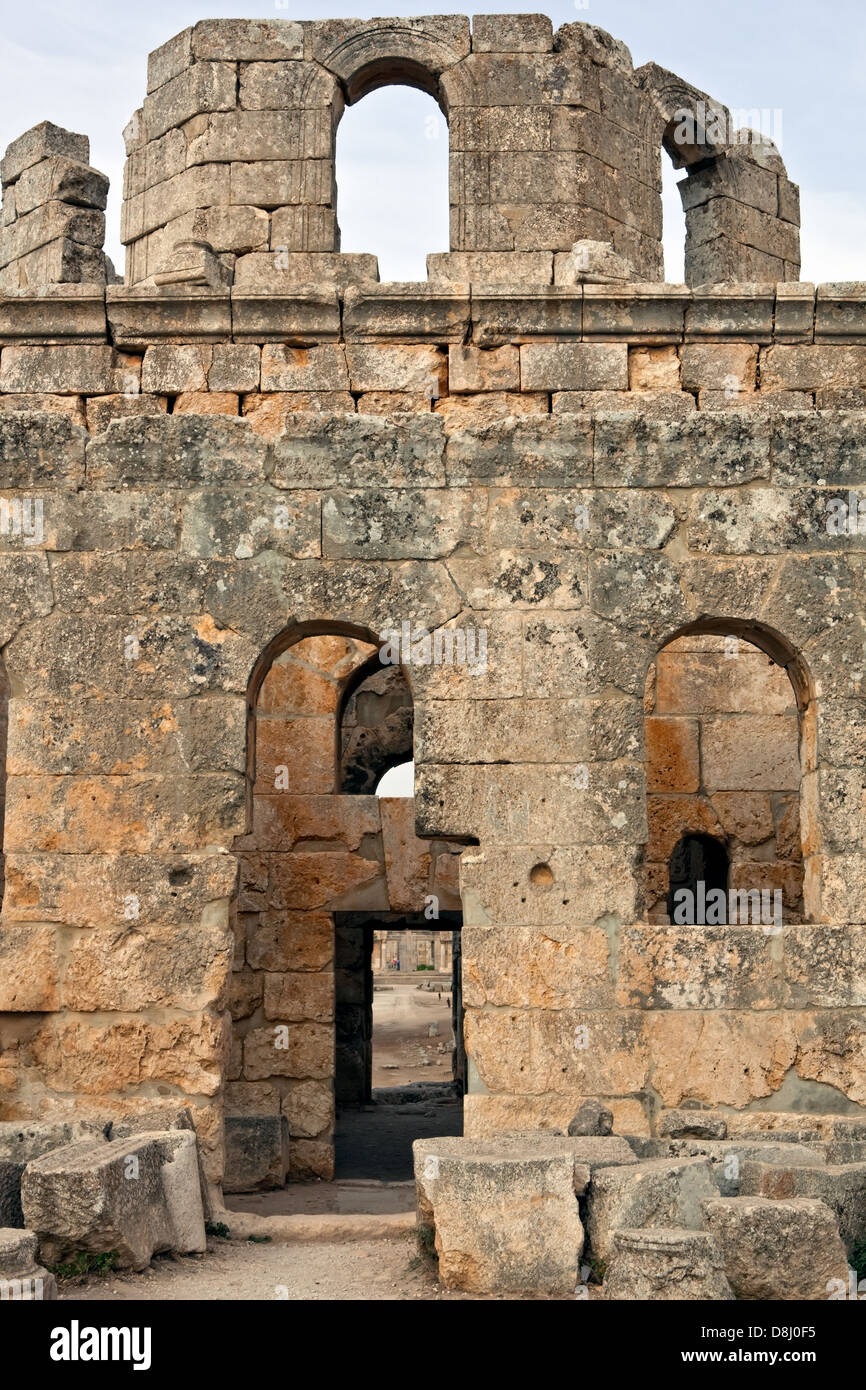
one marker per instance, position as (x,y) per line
(586,544)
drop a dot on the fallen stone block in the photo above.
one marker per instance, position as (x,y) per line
(136,1196)
(257,1152)
(504,1219)
(592,1118)
(780,1250)
(22,1279)
(727,1157)
(656,1192)
(692,1124)
(21,1142)
(842,1186)
(587,1151)
(669,1264)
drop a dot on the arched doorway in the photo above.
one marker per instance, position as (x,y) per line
(318,865)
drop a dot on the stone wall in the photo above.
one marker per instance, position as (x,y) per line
(205,475)
(553,137)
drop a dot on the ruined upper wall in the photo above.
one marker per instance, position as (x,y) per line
(554,138)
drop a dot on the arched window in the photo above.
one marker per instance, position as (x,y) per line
(392,180)
(723,765)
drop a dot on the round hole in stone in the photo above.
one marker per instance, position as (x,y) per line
(541,875)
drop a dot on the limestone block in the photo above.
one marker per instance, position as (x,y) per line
(751,752)
(491,267)
(169,370)
(112,1196)
(729,366)
(525,452)
(169,59)
(278,85)
(841,1187)
(653,369)
(525,33)
(659,1264)
(239,229)
(101,410)
(504,1215)
(61,261)
(257,1152)
(700,450)
(812,367)
(279,270)
(656,1192)
(475,412)
(140,450)
(65,180)
(206,86)
(19,1143)
(304,369)
(69,370)
(471,369)
(234,367)
(672,755)
(573,366)
(401,523)
(247,136)
(728,1156)
(41,142)
(293,996)
(283,940)
(308,1056)
(784,1250)
(247,40)
(396,368)
(357,451)
(21,1278)
(692,1124)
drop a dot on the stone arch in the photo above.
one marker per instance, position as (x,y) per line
(311,860)
(698,708)
(407,53)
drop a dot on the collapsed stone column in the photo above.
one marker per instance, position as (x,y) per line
(53,212)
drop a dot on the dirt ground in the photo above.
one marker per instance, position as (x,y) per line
(336,1271)
(403,1051)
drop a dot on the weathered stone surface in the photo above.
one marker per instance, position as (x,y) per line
(504,1222)
(116,1196)
(661,1264)
(592,1118)
(257,1152)
(656,1192)
(692,1124)
(784,1250)
(841,1187)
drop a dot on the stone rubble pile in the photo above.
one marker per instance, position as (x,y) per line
(536,1213)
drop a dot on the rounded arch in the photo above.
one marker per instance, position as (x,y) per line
(732,758)
(393,53)
(768,639)
(289,637)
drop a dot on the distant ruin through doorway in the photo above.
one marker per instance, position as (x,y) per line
(400,1065)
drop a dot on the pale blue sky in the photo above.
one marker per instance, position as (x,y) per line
(83,66)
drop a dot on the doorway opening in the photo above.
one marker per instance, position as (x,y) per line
(401,1066)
